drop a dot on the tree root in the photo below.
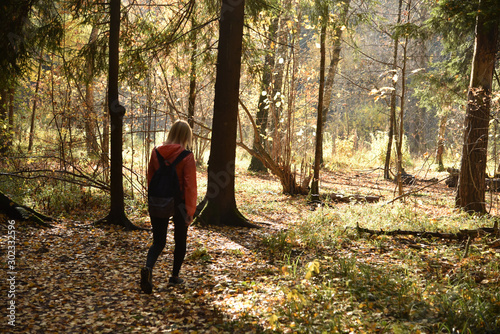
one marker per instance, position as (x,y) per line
(120,219)
(212,214)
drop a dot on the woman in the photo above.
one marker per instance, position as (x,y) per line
(179,138)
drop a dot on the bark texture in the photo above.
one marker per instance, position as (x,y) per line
(220,204)
(471,184)
(116,111)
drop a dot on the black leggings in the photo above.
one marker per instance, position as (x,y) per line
(160,226)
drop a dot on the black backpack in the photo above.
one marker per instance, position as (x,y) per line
(164,191)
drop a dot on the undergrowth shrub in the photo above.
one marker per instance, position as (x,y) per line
(70,200)
(359,155)
(378,150)
(347,153)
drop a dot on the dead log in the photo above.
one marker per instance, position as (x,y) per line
(20,212)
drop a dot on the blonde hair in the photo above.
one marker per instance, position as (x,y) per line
(180,133)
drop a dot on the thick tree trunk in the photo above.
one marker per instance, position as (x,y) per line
(418,114)
(220,203)
(6,119)
(319,120)
(471,185)
(116,111)
(330,78)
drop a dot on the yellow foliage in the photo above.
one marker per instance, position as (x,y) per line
(312,268)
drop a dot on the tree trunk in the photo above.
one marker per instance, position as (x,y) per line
(104,161)
(220,203)
(392,115)
(10,127)
(390,136)
(35,99)
(440,144)
(399,149)
(276,97)
(192,76)
(292,186)
(261,118)
(334,62)
(471,185)
(6,119)
(3,120)
(90,118)
(116,111)
(319,121)
(419,54)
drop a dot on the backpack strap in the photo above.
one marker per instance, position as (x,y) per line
(159,157)
(179,158)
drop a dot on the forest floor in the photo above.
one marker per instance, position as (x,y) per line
(305,270)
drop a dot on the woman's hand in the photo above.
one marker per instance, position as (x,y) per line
(189,220)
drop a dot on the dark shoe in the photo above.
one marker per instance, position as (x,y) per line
(175,280)
(146,280)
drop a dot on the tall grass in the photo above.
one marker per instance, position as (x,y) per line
(384,284)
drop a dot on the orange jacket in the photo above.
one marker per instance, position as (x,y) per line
(186,171)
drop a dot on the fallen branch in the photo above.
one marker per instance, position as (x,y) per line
(461,235)
(78,179)
(416,190)
(341,198)
(494,244)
